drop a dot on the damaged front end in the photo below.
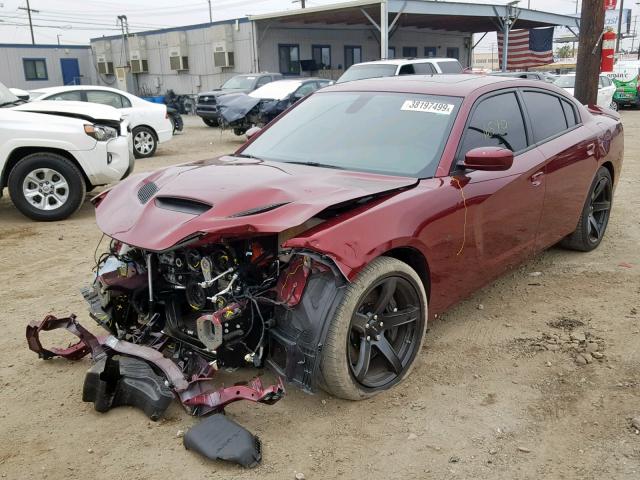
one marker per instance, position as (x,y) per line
(241,112)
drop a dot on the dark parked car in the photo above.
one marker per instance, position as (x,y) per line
(527,75)
(241,111)
(322,246)
(206,107)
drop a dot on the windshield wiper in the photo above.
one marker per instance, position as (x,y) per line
(316,164)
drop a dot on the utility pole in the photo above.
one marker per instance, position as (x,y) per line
(124,25)
(58,35)
(210,12)
(29,10)
(589,51)
(619,26)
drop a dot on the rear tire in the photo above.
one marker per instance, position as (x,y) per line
(614,106)
(210,122)
(377,331)
(145,142)
(46,187)
(594,217)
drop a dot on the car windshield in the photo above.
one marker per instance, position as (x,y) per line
(568,81)
(389,133)
(6,97)
(360,72)
(240,82)
(450,66)
(276,90)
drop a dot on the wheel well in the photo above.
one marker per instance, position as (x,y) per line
(609,166)
(155,134)
(19,153)
(415,260)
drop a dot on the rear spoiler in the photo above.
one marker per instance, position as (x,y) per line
(607,112)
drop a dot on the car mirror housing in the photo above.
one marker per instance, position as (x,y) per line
(488,158)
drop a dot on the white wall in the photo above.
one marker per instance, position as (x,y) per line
(202,74)
(12,72)
(338,36)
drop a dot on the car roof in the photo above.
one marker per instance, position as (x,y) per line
(405,61)
(456,85)
(68,88)
(259,74)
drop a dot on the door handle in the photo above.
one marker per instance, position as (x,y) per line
(536,179)
(591,149)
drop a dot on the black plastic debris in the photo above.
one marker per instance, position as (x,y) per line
(120,380)
(219,438)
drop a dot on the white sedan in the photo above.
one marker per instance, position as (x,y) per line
(606,89)
(149,122)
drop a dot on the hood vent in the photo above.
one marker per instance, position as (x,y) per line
(255,211)
(182,205)
(147,191)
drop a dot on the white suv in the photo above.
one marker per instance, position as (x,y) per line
(52,153)
(401,66)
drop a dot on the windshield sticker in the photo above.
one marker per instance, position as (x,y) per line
(427,107)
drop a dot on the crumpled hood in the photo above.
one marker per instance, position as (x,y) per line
(92,112)
(228,196)
(219,92)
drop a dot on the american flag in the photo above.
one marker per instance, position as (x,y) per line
(527,48)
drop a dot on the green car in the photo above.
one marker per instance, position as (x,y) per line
(626,92)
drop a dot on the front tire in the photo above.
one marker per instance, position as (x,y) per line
(377,331)
(594,217)
(46,187)
(145,142)
(210,122)
(614,106)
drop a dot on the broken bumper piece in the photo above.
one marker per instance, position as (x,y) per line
(111,384)
(220,438)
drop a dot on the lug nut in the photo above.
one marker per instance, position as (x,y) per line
(375,317)
(366,325)
(368,338)
(382,324)
(377,337)
(395,310)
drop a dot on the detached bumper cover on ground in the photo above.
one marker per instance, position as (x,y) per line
(122,375)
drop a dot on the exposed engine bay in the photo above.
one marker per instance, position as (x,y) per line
(214,301)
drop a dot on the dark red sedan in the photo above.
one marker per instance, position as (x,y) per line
(322,246)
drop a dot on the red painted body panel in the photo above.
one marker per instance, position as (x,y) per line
(468,228)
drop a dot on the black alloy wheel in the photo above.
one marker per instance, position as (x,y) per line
(384,332)
(599,209)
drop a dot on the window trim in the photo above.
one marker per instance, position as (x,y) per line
(434,49)
(560,98)
(345,55)
(321,46)
(35,59)
(528,134)
(289,45)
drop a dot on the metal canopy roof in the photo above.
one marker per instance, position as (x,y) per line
(456,16)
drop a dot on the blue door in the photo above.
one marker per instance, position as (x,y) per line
(70,71)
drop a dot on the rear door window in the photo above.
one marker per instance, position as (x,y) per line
(75,96)
(104,97)
(546,114)
(407,70)
(496,122)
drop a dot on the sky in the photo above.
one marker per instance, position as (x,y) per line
(76,21)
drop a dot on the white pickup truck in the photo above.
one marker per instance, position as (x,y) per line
(52,153)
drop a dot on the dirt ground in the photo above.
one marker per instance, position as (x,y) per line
(497,393)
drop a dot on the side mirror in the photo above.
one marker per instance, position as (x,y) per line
(252,131)
(488,158)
